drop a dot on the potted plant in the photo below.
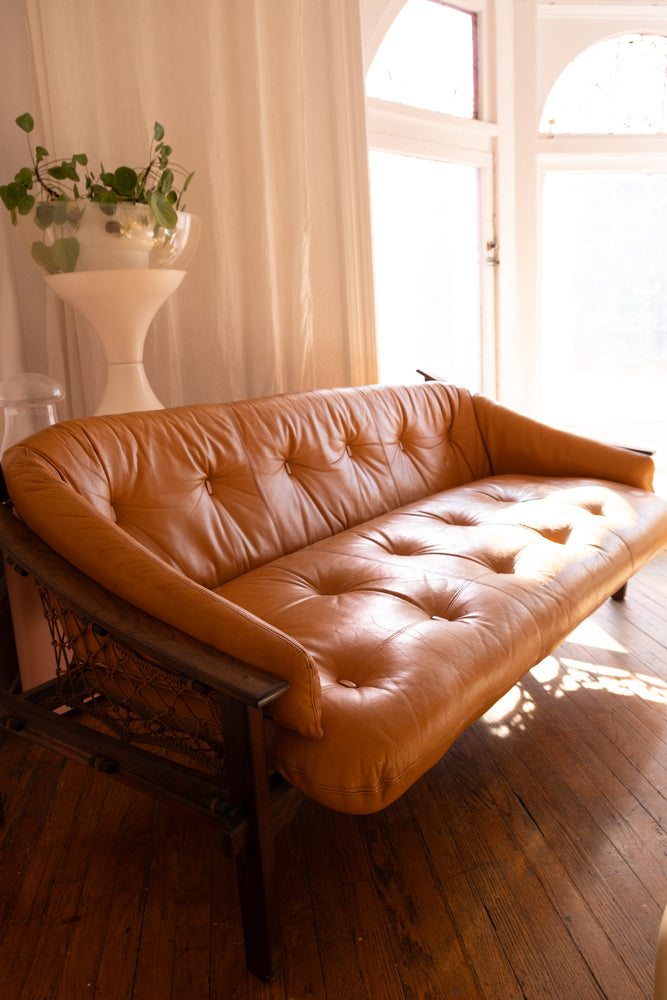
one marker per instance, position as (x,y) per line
(111,219)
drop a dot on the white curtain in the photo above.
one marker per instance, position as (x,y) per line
(264,99)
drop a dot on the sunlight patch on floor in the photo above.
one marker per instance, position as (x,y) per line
(598,677)
(560,676)
(509,712)
(589,633)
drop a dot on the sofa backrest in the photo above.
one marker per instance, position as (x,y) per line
(216,490)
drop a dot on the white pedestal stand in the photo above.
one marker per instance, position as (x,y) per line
(120,305)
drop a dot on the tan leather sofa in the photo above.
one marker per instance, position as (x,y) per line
(400,556)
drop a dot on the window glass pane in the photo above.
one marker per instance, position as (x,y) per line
(618,86)
(604,297)
(427,268)
(427,60)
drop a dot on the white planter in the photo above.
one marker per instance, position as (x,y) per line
(81,235)
(113,242)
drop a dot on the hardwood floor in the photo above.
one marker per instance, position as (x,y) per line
(529,863)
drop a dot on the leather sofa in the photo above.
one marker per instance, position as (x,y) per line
(363,571)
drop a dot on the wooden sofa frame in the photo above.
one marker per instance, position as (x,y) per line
(247,803)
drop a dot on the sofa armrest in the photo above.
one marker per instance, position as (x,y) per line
(521,445)
(131,626)
(235,789)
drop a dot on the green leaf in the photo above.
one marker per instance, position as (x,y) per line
(57,172)
(69,170)
(80,158)
(108,201)
(24,177)
(25,204)
(158,132)
(166,181)
(43,256)
(13,194)
(163,211)
(124,181)
(59,212)
(65,253)
(25,122)
(44,215)
(61,256)
(186,182)
(40,153)
(75,212)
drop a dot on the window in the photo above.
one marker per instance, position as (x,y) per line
(431,174)
(605,296)
(427,60)
(604,238)
(426,254)
(618,87)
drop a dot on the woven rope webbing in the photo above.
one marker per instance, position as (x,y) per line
(135,697)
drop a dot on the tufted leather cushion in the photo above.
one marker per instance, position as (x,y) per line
(420,619)
(267,528)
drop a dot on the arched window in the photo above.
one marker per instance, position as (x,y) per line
(604,237)
(431,174)
(427,60)
(617,87)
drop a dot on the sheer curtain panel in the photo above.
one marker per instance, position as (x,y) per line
(265,101)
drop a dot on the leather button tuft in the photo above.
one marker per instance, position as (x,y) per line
(346,683)
(558,535)
(209,487)
(288,468)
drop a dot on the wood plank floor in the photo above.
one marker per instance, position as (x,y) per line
(530,863)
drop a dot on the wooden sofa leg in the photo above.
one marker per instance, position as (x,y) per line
(245,753)
(620,593)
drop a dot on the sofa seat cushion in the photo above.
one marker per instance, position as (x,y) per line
(420,619)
